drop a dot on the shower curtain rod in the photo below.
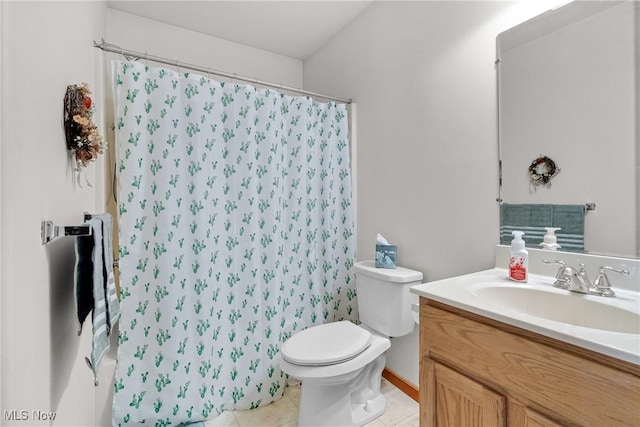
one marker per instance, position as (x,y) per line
(130,54)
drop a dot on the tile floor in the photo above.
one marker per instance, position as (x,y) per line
(402,411)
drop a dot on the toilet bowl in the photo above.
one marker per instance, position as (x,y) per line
(342,393)
(340,364)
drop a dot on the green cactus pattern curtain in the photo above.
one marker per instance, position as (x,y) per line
(236,232)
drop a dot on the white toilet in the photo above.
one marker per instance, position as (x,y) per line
(340,364)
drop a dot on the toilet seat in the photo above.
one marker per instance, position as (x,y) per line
(331,374)
(326,344)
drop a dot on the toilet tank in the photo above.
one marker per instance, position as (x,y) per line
(384,300)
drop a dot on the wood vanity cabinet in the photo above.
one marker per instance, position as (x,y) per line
(475,371)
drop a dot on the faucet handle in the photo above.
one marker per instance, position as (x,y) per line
(554,261)
(557,261)
(564,275)
(602,282)
(607,268)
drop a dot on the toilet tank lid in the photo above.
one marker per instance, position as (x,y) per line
(396,275)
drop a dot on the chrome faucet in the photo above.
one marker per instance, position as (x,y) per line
(578,281)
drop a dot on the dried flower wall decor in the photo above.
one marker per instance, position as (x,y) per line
(541,171)
(83,139)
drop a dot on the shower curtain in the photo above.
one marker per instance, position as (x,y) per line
(235,230)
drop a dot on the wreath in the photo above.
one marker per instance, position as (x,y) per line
(82,136)
(542,170)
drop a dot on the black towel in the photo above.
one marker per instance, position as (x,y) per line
(84,277)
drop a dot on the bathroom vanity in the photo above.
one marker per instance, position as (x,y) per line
(497,353)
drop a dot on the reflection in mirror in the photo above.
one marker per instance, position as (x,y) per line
(568,90)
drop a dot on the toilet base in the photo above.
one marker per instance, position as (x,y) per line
(349,404)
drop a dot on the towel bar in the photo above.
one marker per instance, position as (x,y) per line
(587,206)
(49,231)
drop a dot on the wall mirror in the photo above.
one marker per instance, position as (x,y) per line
(569,89)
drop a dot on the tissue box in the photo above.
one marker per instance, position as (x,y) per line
(386,256)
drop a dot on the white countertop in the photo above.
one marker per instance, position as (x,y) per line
(462,292)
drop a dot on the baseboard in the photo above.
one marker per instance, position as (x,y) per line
(402,384)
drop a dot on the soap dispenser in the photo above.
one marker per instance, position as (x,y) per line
(550,241)
(519,259)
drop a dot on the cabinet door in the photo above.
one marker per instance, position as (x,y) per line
(460,401)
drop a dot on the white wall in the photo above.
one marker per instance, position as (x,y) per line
(423,77)
(45,47)
(145,35)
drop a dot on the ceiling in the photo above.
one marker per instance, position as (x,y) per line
(274,26)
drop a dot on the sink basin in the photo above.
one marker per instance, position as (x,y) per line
(610,326)
(564,307)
